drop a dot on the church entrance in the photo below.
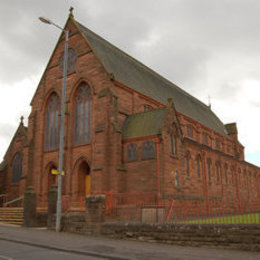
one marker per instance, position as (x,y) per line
(84,179)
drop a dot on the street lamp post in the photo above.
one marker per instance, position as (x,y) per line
(61,145)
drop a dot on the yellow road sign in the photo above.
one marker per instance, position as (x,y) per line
(54,171)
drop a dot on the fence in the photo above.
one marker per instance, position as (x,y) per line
(144,207)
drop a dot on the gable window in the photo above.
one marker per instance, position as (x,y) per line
(148,150)
(218,144)
(190,130)
(52,127)
(83,114)
(17,168)
(228,148)
(205,138)
(147,107)
(173,144)
(132,152)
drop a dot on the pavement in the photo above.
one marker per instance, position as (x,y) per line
(105,248)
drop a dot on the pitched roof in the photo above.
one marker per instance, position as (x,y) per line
(134,74)
(144,124)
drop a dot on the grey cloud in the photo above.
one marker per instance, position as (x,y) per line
(7,130)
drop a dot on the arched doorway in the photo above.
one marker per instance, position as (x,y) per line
(51,178)
(84,179)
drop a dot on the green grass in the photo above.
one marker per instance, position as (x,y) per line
(238,219)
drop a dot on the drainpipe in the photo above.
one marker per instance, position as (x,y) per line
(158,141)
(206,182)
(238,188)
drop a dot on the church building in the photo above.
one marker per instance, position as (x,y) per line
(128,131)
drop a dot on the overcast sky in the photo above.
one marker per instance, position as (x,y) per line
(208,48)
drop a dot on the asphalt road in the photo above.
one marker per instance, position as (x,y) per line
(14,251)
(29,243)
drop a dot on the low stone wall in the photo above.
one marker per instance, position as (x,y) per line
(41,219)
(75,223)
(243,237)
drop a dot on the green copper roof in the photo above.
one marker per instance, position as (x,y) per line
(144,124)
(141,78)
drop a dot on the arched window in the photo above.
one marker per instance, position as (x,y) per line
(204,139)
(245,179)
(176,179)
(17,168)
(190,130)
(218,172)
(52,122)
(232,176)
(209,169)
(226,173)
(173,144)
(132,152)
(187,164)
(239,176)
(83,114)
(198,166)
(148,151)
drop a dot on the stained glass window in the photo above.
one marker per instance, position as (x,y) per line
(173,144)
(148,151)
(132,152)
(17,168)
(52,122)
(83,114)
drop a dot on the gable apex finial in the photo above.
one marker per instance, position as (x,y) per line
(21,120)
(71,12)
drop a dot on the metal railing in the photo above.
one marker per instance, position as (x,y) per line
(17,202)
(3,199)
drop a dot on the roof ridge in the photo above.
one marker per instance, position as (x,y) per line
(144,66)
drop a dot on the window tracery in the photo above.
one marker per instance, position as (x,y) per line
(52,125)
(17,168)
(83,114)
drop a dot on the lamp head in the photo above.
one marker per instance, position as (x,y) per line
(45,20)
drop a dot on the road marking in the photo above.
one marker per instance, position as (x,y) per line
(5,257)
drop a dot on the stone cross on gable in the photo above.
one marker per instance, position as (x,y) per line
(21,120)
(71,12)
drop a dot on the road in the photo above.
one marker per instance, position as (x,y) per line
(14,251)
(40,244)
